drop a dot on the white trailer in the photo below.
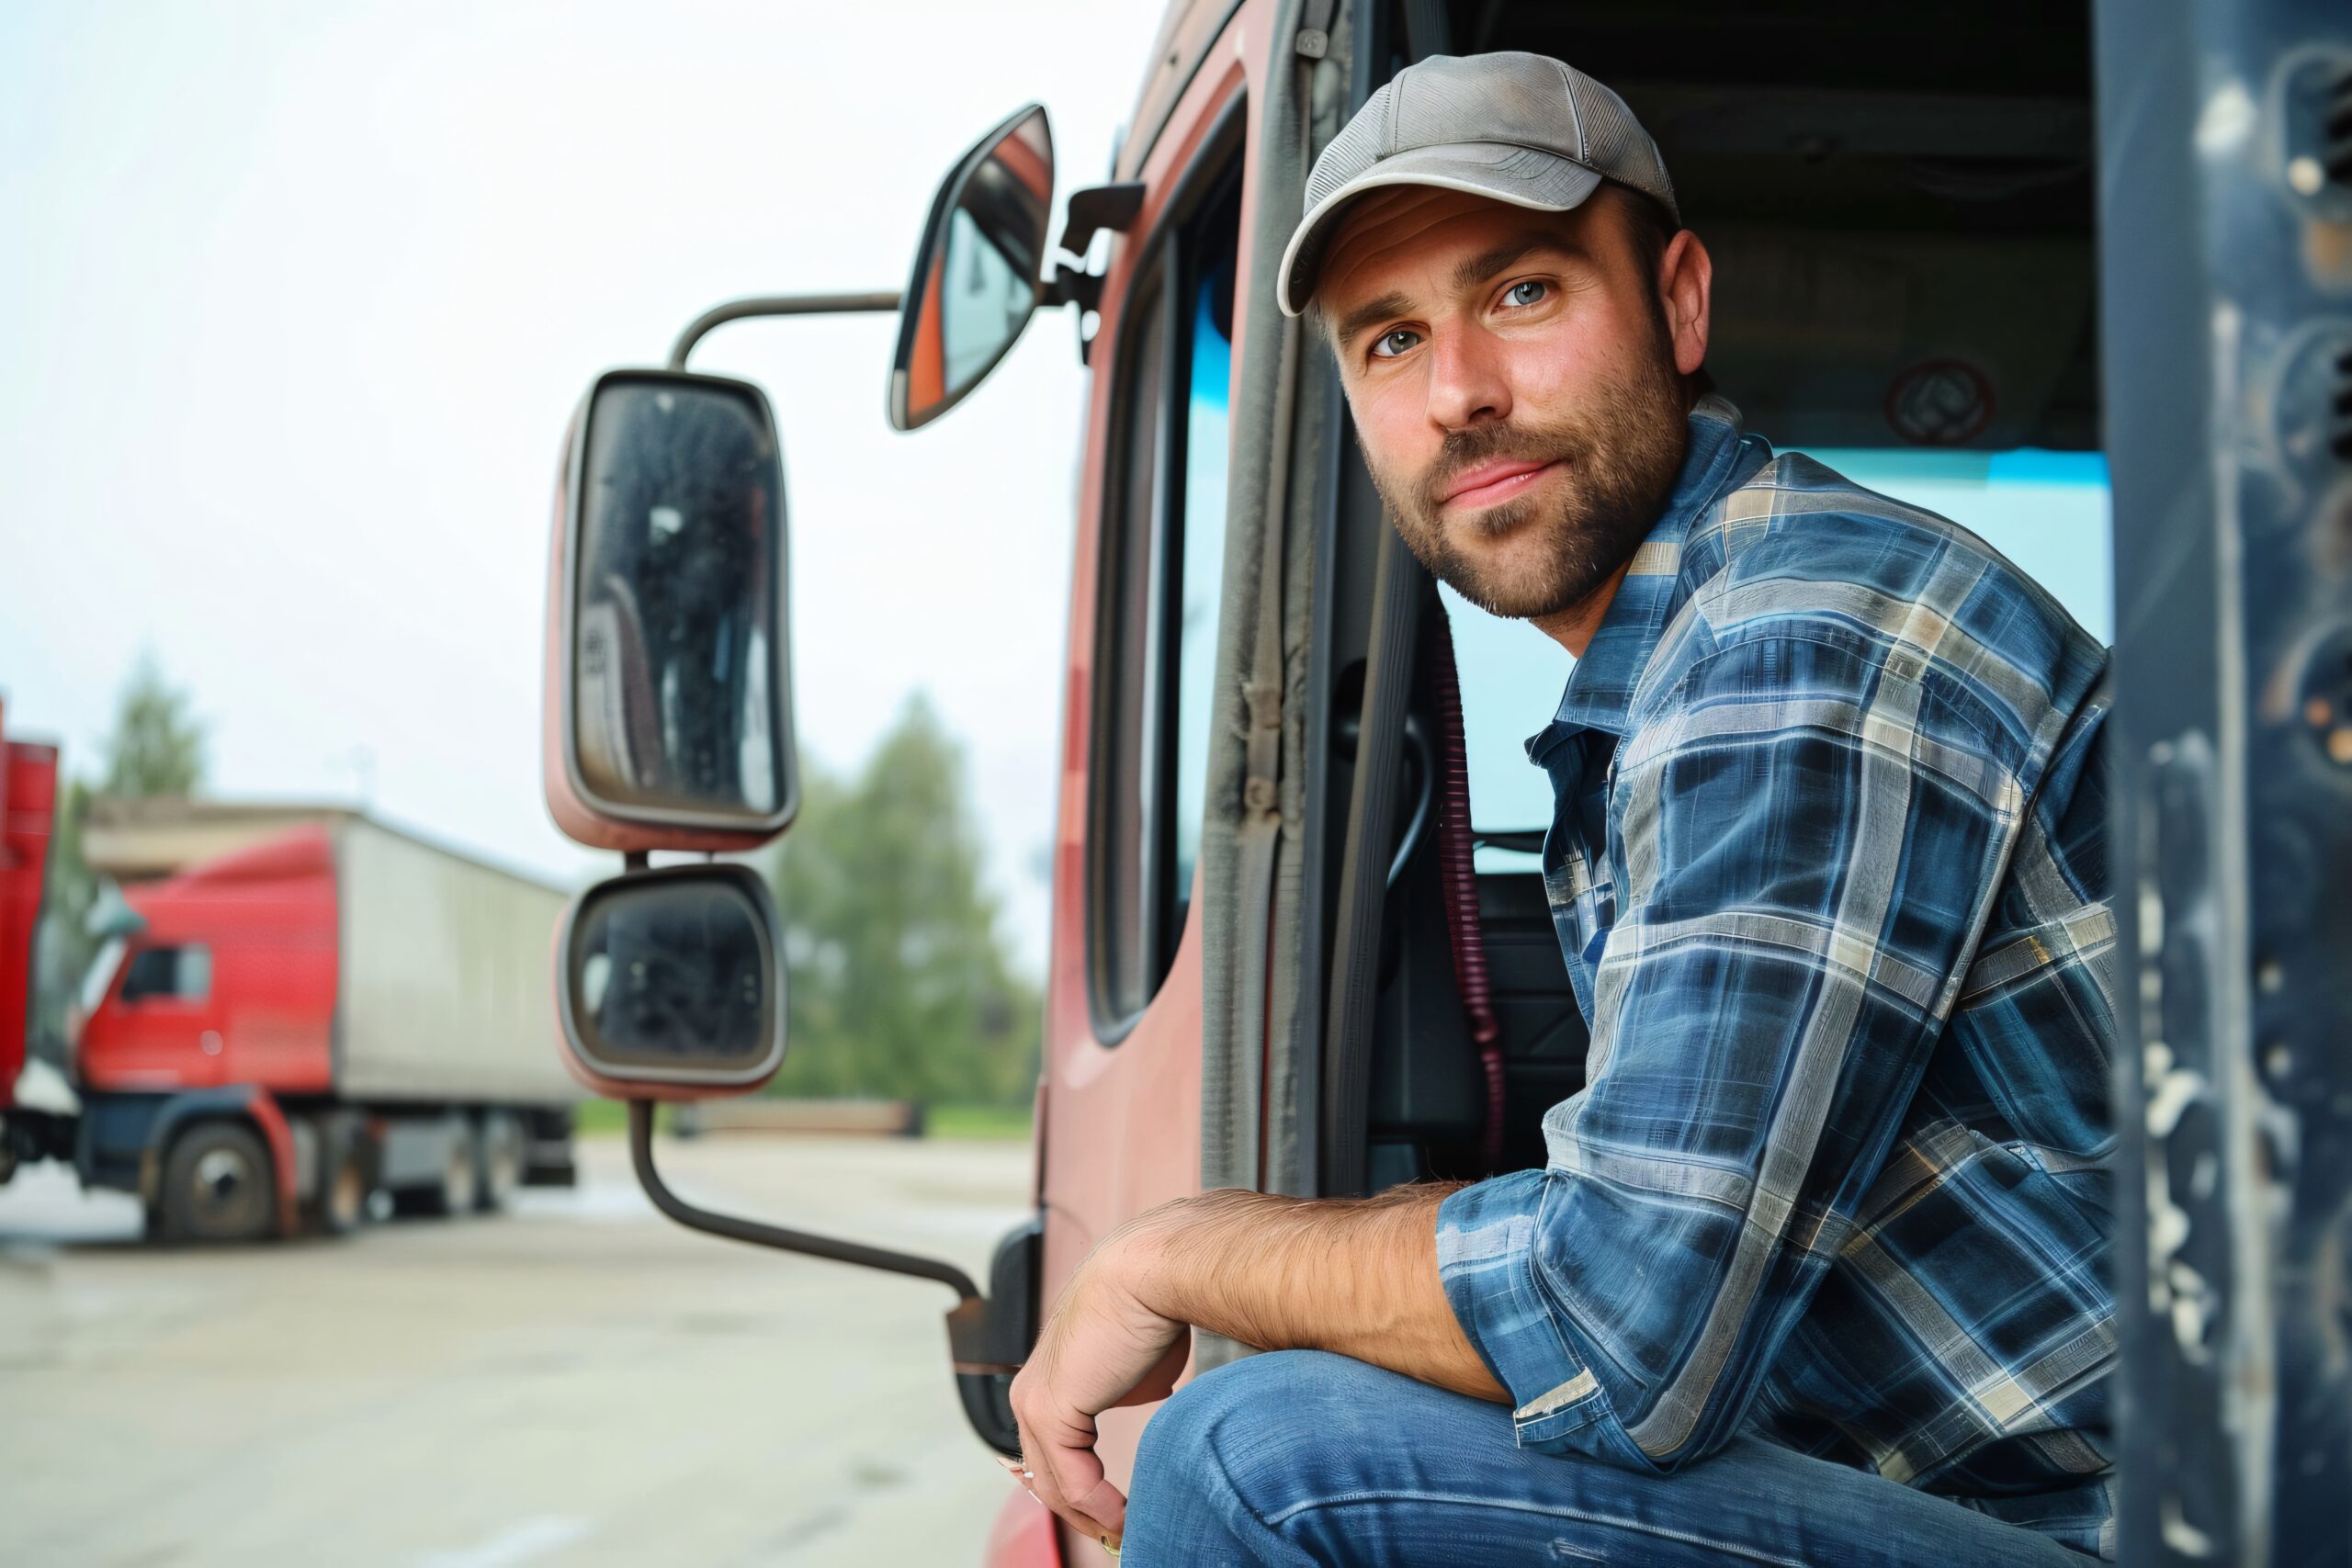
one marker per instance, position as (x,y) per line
(445,1009)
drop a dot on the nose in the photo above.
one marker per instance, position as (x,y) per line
(1467,387)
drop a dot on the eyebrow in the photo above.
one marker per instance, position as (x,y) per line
(1490,264)
(1368,314)
(1468,274)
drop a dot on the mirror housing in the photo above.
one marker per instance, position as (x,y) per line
(668,717)
(978,271)
(669,986)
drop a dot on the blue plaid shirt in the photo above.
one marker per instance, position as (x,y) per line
(1828,870)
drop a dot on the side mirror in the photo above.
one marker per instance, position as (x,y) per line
(668,985)
(669,721)
(977,273)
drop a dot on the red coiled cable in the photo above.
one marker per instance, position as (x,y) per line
(1457,869)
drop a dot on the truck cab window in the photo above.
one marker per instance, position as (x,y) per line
(2045,511)
(1163,556)
(181,973)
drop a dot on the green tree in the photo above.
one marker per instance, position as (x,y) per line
(900,983)
(155,748)
(157,745)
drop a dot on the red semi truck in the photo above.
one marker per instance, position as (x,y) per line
(273,1034)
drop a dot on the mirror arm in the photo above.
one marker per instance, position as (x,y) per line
(641,1149)
(878,302)
(975,1347)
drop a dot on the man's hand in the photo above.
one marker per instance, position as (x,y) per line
(1101,1348)
(1356,1277)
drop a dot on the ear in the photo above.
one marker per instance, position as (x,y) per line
(1685,277)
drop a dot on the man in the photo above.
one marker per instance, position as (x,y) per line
(1813,1272)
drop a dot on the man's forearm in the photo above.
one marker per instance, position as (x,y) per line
(1357,1277)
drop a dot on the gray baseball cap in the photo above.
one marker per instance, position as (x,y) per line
(1522,129)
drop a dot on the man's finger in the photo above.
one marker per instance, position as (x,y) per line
(1064,1485)
(1092,1496)
(1070,1479)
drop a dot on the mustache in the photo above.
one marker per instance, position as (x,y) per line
(1467,449)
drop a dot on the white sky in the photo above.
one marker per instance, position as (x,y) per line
(296,298)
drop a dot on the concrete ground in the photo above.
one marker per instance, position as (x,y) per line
(578,1381)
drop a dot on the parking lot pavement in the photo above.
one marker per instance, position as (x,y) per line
(578,1381)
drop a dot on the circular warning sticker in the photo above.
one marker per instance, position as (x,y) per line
(1939,402)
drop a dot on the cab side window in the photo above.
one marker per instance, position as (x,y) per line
(1163,564)
(182,974)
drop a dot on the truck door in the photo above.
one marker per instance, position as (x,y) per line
(1122,1093)
(161,1030)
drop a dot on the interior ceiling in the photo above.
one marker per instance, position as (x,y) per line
(1899,200)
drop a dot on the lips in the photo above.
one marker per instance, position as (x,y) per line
(1489,484)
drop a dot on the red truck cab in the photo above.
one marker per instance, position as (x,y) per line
(230,978)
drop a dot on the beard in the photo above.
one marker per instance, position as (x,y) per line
(1620,458)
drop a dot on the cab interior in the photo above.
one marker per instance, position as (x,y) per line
(1900,207)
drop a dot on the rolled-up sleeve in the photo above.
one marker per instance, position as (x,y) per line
(1806,839)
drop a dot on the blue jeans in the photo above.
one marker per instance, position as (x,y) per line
(1302,1458)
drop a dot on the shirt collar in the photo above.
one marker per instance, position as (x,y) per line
(1600,687)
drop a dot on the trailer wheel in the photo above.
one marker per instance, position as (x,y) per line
(501,1142)
(343,1206)
(217,1185)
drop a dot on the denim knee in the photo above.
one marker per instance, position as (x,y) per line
(1234,1436)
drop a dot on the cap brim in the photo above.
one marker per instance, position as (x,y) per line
(1517,177)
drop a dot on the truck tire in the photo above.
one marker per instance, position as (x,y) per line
(501,1142)
(454,1192)
(343,1198)
(218,1186)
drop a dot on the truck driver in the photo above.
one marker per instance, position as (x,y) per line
(1813,1274)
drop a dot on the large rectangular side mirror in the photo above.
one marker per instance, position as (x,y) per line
(669,986)
(669,711)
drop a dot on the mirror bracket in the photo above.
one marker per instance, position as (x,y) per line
(974,1339)
(1070,286)
(1097,210)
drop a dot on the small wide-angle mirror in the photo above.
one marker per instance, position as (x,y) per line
(976,274)
(670,987)
(678,705)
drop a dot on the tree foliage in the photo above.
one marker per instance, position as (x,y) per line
(157,744)
(900,982)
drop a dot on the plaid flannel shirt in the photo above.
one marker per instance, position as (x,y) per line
(1828,870)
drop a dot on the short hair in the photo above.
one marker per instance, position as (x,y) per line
(1651,229)
(1648,223)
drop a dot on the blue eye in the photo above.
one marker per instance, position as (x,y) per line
(1526,293)
(1391,345)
